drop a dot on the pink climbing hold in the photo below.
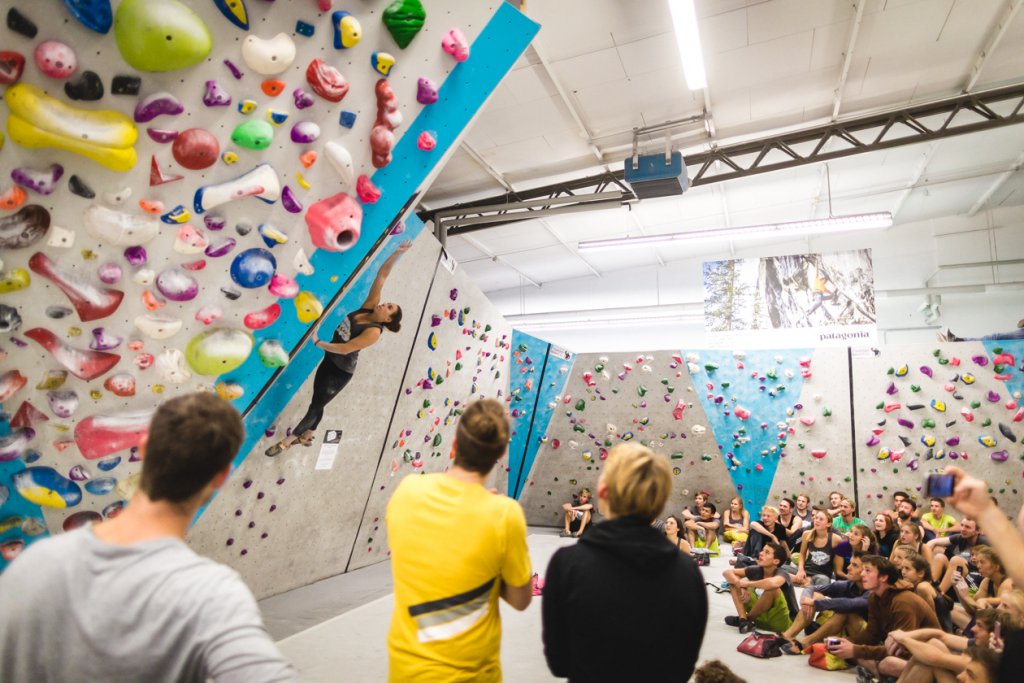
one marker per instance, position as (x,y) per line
(382,135)
(455,44)
(426,141)
(819,454)
(677,412)
(367,191)
(102,435)
(335,223)
(807,420)
(55,59)
(892,406)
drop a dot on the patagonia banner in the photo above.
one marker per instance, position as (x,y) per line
(804,300)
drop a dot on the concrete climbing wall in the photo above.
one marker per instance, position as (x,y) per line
(461,353)
(288,521)
(134,217)
(920,408)
(819,456)
(613,398)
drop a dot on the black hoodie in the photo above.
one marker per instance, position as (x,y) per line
(623,604)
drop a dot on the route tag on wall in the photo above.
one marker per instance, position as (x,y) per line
(328,449)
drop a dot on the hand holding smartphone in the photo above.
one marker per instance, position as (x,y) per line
(939,485)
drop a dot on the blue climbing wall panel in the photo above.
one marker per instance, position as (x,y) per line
(21,522)
(747,401)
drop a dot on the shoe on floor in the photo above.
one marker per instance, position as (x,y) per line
(564,534)
(274,451)
(732,620)
(864,675)
(792,647)
(746,626)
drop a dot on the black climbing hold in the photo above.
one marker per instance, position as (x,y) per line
(958,396)
(243,229)
(950,423)
(125,85)
(915,406)
(58,312)
(78,186)
(88,87)
(1005,430)
(905,440)
(230,293)
(882,423)
(19,23)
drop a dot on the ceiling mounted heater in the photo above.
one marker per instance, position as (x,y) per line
(657,175)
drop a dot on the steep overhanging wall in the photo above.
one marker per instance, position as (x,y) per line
(207,265)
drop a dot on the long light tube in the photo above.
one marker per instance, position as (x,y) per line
(861,221)
(684,20)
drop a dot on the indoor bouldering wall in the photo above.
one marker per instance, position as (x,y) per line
(290,520)
(614,398)
(921,408)
(461,353)
(192,240)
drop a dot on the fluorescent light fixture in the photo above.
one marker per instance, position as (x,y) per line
(684,20)
(860,221)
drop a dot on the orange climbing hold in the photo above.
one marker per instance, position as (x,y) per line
(13,198)
(154,207)
(272,87)
(307,158)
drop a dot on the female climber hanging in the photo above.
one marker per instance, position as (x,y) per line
(359,329)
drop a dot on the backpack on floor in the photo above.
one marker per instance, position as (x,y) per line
(821,658)
(760,645)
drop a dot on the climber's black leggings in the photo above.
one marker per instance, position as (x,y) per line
(327,383)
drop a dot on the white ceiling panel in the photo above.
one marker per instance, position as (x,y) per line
(722,32)
(492,275)
(513,237)
(593,68)
(762,62)
(551,263)
(772,20)
(529,84)
(644,56)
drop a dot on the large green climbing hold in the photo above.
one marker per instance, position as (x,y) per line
(253,134)
(581,404)
(160,35)
(928,423)
(404,19)
(437,440)
(578,428)
(218,351)
(641,390)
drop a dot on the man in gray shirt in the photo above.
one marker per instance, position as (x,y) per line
(126,599)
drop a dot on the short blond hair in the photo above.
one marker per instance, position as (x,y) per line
(639,481)
(770,508)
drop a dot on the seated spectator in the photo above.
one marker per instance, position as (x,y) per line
(736,522)
(912,538)
(938,655)
(702,532)
(842,522)
(699,500)
(917,577)
(801,521)
(834,499)
(889,609)
(887,534)
(818,561)
(893,512)
(672,529)
(643,601)
(716,671)
(126,599)
(956,555)
(766,530)
(907,511)
(971,498)
(578,514)
(937,522)
(1018,333)
(862,538)
(994,585)
(771,609)
(844,603)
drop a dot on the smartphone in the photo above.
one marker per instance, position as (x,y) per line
(997,631)
(939,486)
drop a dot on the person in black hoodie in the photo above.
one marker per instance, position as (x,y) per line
(644,601)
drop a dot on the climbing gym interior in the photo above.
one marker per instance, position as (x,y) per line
(783,248)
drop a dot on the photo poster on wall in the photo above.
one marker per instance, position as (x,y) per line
(800,300)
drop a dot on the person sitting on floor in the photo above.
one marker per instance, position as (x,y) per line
(906,511)
(939,655)
(889,609)
(912,538)
(956,555)
(702,532)
(994,585)
(842,604)
(937,522)
(578,514)
(893,512)
(1018,333)
(643,602)
(762,532)
(699,500)
(736,522)
(917,577)
(716,671)
(801,520)
(834,499)
(672,529)
(774,607)
(846,518)
(818,561)
(887,534)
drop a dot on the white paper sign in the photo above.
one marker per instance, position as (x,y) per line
(328,449)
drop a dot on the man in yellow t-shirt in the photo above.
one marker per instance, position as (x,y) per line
(455,548)
(936,522)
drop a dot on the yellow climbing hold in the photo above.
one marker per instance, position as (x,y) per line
(308,307)
(229,158)
(303,183)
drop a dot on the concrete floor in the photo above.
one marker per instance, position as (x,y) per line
(336,629)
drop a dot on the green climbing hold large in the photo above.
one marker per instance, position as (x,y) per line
(160,35)
(404,19)
(928,423)
(641,390)
(437,441)
(218,351)
(581,404)
(253,134)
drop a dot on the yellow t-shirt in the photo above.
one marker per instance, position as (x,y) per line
(939,523)
(452,545)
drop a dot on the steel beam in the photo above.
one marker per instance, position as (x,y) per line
(961,115)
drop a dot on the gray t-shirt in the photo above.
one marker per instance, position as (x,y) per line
(74,608)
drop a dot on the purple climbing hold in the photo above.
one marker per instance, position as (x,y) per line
(302,98)
(454,294)
(904,422)
(398,229)
(161,136)
(103,340)
(305,132)
(953,441)
(289,201)
(993,397)
(43,182)
(157,104)
(109,273)
(214,222)
(235,71)
(220,247)
(426,91)
(926,371)
(215,95)
(136,256)
(891,389)
(435,320)
(1000,456)
(980,361)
